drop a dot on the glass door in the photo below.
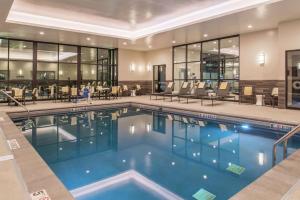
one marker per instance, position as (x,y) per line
(159,78)
(293,78)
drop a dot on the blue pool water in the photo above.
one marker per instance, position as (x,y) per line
(181,154)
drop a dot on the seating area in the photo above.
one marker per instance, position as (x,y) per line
(201,91)
(55,93)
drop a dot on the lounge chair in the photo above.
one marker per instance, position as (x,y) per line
(184,89)
(168,90)
(221,93)
(199,92)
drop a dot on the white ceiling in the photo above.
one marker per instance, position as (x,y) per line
(262,17)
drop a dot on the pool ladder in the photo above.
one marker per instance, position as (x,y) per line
(284,139)
(28,121)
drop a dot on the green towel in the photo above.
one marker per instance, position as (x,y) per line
(236,169)
(202,194)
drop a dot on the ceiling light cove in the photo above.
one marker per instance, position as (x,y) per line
(137,31)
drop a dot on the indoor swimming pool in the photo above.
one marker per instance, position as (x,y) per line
(136,153)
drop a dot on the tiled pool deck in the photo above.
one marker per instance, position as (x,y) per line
(22,171)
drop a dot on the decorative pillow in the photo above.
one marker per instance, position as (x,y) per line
(248,91)
(275,92)
(201,85)
(170,85)
(184,85)
(223,85)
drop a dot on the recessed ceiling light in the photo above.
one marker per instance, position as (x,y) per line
(173,41)
(88,39)
(42,33)
(24,46)
(125,43)
(150,46)
(250,26)
(215,42)
(205,35)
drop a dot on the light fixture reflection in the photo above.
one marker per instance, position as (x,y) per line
(261,158)
(132,129)
(148,127)
(132,67)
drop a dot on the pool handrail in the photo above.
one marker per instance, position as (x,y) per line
(17,102)
(284,139)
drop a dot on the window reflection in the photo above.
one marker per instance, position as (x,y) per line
(67,54)
(210,60)
(3,49)
(20,50)
(180,54)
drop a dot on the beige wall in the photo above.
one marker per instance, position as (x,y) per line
(289,38)
(141,60)
(129,57)
(159,57)
(251,45)
(273,43)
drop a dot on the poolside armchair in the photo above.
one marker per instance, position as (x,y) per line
(114,92)
(74,93)
(19,95)
(272,98)
(247,94)
(138,89)
(184,89)
(51,91)
(199,92)
(125,91)
(168,90)
(65,93)
(93,92)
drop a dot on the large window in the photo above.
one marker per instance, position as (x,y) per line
(30,64)
(88,64)
(20,64)
(212,61)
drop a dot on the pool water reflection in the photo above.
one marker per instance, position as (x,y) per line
(179,153)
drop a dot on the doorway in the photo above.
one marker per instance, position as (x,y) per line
(293,79)
(159,78)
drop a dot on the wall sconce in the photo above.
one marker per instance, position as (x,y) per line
(20,72)
(61,72)
(261,58)
(148,127)
(131,129)
(93,72)
(132,67)
(149,67)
